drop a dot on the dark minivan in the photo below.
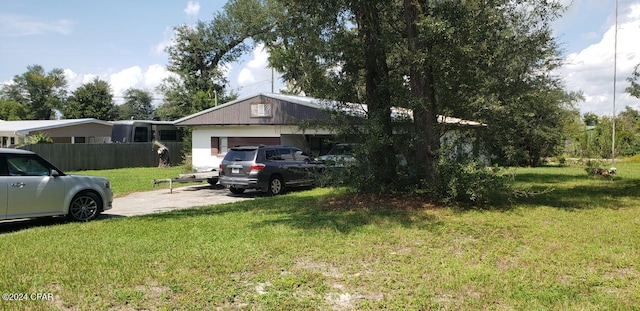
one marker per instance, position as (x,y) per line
(266,168)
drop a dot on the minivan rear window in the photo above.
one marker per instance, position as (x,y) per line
(241,155)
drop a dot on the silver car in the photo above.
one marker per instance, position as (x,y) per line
(32,187)
(340,155)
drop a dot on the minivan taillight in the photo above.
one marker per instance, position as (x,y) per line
(256,168)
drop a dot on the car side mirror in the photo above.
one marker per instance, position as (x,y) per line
(54,173)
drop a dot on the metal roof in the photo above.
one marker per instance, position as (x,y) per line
(157,122)
(353,109)
(301,100)
(24,127)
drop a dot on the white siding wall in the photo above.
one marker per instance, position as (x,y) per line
(9,139)
(201,142)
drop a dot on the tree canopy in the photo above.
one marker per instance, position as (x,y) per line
(593,138)
(201,52)
(11,110)
(480,60)
(39,92)
(634,80)
(137,105)
(474,59)
(91,100)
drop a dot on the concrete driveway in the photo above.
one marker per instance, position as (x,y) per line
(163,200)
(147,202)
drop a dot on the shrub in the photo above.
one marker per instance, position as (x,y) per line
(472,183)
(562,160)
(39,138)
(591,167)
(594,168)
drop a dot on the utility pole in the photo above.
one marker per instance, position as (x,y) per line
(615,64)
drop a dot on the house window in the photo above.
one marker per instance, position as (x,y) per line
(223,145)
(260,110)
(79,140)
(218,145)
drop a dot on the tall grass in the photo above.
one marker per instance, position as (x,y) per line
(576,246)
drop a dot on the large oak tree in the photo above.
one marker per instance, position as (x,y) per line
(487,60)
(11,110)
(137,105)
(480,60)
(91,100)
(40,93)
(201,52)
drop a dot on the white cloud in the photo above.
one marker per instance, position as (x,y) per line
(260,57)
(120,81)
(69,74)
(167,40)
(135,77)
(87,78)
(154,76)
(193,8)
(14,25)
(592,69)
(255,76)
(246,76)
(256,68)
(634,11)
(75,80)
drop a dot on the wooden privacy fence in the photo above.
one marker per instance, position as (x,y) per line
(73,157)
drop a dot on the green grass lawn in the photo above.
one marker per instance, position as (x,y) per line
(127,180)
(576,246)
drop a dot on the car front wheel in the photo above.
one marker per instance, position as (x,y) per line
(276,186)
(85,206)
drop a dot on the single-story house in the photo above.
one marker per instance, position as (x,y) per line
(73,131)
(265,118)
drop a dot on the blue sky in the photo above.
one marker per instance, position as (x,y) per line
(122,43)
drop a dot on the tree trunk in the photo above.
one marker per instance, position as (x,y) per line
(378,97)
(426,129)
